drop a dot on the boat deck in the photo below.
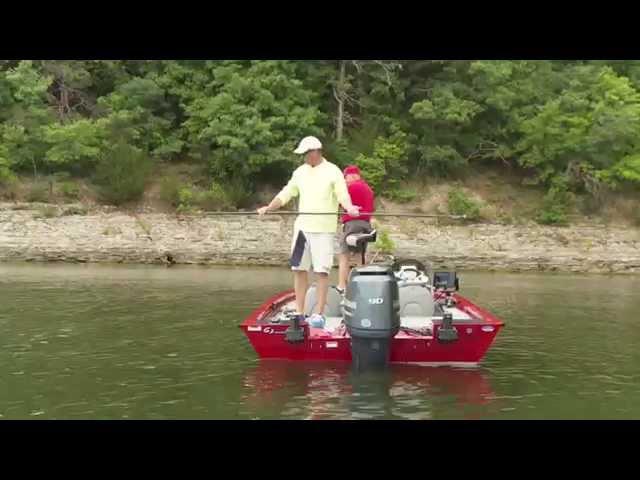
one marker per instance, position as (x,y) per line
(334,326)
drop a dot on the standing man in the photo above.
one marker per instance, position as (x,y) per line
(362,197)
(320,186)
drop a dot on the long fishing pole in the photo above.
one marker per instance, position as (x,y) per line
(373,214)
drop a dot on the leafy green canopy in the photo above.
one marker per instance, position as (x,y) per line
(568,125)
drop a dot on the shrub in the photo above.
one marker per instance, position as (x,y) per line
(384,243)
(555,204)
(170,190)
(6,176)
(237,192)
(38,192)
(8,184)
(387,165)
(186,200)
(70,190)
(403,196)
(461,204)
(185,197)
(48,211)
(122,174)
(216,198)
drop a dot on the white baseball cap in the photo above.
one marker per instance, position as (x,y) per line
(306,144)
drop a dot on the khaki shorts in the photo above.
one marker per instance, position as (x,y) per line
(318,252)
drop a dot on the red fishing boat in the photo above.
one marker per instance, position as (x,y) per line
(390,313)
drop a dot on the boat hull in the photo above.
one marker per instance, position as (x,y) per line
(475,337)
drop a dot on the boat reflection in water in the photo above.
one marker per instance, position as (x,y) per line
(281,389)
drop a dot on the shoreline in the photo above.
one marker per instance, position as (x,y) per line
(108,235)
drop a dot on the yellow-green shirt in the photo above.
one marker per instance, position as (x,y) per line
(320,189)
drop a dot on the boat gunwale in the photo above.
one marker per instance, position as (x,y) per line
(274,303)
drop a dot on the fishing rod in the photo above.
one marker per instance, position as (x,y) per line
(374,214)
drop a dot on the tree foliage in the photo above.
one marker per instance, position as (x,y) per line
(567,125)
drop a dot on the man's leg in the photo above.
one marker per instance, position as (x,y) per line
(300,284)
(322,288)
(300,270)
(322,260)
(343,270)
(343,260)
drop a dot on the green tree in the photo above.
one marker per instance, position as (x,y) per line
(249,117)
(138,109)
(387,165)
(594,123)
(26,114)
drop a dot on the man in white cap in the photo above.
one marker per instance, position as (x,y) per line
(320,186)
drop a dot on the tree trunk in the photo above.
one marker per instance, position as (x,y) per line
(340,99)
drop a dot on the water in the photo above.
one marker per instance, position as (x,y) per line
(113,342)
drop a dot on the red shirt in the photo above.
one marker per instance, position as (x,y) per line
(361,196)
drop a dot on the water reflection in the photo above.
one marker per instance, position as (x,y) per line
(279,389)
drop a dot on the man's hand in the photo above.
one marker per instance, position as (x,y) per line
(275,204)
(354,211)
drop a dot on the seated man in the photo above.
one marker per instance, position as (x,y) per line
(361,196)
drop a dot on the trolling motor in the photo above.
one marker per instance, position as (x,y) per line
(447,282)
(447,332)
(294,334)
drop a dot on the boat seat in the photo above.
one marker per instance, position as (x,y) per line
(416,299)
(331,309)
(357,241)
(332,323)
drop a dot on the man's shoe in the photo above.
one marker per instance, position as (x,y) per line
(316,320)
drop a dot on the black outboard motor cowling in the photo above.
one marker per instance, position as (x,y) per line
(372,314)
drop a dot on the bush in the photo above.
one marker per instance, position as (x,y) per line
(38,192)
(70,190)
(47,212)
(553,215)
(186,200)
(122,174)
(186,197)
(403,196)
(8,184)
(387,165)
(170,190)
(75,145)
(238,193)
(555,204)
(441,160)
(460,204)
(384,243)
(216,198)
(6,176)
(340,152)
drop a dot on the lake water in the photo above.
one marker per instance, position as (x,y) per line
(149,342)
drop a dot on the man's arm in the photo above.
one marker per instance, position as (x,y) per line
(286,194)
(342,194)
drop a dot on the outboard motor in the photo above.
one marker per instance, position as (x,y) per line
(372,314)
